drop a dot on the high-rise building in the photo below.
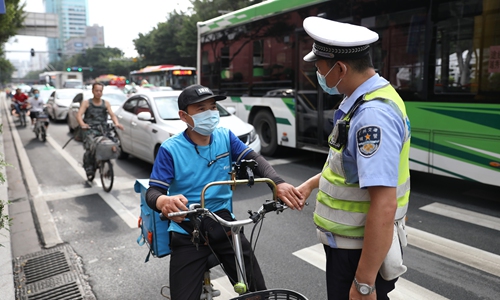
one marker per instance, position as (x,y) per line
(94,36)
(73,19)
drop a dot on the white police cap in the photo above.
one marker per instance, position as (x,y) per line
(336,40)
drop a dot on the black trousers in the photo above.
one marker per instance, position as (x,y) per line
(341,265)
(188,264)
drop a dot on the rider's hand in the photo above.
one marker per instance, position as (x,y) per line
(291,196)
(119,126)
(85,126)
(169,204)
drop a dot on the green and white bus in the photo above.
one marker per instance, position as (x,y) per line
(442,56)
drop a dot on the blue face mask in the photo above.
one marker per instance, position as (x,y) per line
(322,82)
(205,122)
(36,95)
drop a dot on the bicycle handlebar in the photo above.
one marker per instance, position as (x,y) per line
(196,209)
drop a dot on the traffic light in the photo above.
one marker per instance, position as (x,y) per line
(32,51)
(91,69)
(79,69)
(59,53)
(68,69)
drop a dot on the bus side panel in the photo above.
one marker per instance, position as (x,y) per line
(420,158)
(466,157)
(283,110)
(449,133)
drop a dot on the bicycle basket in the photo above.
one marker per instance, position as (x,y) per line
(106,149)
(274,294)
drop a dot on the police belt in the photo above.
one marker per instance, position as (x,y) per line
(337,241)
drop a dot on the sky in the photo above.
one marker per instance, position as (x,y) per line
(122,20)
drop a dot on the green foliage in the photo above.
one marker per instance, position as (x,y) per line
(10,22)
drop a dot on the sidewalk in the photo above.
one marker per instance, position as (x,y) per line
(23,237)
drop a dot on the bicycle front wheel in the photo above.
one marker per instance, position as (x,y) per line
(107,176)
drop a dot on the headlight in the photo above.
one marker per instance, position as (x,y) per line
(252,136)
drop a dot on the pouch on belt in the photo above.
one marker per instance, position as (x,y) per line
(393,267)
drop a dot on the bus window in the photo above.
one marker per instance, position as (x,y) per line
(456,56)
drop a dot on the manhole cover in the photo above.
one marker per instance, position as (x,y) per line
(54,274)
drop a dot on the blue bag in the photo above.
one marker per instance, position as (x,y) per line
(154,232)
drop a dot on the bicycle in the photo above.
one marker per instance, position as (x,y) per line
(103,148)
(40,128)
(199,211)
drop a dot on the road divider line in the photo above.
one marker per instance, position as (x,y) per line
(405,289)
(463,215)
(78,168)
(276,162)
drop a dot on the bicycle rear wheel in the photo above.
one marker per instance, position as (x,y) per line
(274,294)
(107,176)
(43,133)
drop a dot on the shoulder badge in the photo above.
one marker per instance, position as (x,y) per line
(368,139)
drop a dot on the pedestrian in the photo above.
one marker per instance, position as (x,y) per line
(365,185)
(185,163)
(96,112)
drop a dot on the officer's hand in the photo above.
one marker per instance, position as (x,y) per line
(291,196)
(171,204)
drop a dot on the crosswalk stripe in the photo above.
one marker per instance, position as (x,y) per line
(405,290)
(463,215)
(464,254)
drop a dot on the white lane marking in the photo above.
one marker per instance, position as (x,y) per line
(463,215)
(113,202)
(224,286)
(464,254)
(124,184)
(405,290)
(48,227)
(119,209)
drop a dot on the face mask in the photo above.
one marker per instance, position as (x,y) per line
(205,122)
(36,95)
(322,82)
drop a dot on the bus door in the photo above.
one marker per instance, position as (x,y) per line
(314,109)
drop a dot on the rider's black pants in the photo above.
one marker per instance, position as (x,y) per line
(188,264)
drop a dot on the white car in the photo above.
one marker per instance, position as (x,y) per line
(149,118)
(59,102)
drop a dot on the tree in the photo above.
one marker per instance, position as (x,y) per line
(10,22)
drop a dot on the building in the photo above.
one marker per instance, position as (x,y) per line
(94,36)
(73,20)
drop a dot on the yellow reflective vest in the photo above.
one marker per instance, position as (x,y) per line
(341,208)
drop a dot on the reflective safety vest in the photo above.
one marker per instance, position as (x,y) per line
(341,207)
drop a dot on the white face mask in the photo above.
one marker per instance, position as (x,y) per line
(205,122)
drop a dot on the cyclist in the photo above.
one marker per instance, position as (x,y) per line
(36,105)
(96,112)
(19,101)
(185,163)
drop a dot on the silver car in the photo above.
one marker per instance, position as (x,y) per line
(114,96)
(59,101)
(149,118)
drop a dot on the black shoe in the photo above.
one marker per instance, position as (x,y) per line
(90,172)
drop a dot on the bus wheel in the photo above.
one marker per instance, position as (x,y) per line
(265,125)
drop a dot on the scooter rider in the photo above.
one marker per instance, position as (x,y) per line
(36,106)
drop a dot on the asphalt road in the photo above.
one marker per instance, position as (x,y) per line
(453,252)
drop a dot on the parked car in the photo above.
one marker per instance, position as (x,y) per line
(59,101)
(115,97)
(149,118)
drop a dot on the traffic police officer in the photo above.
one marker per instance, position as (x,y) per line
(364,186)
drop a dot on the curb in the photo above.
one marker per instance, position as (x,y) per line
(6,272)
